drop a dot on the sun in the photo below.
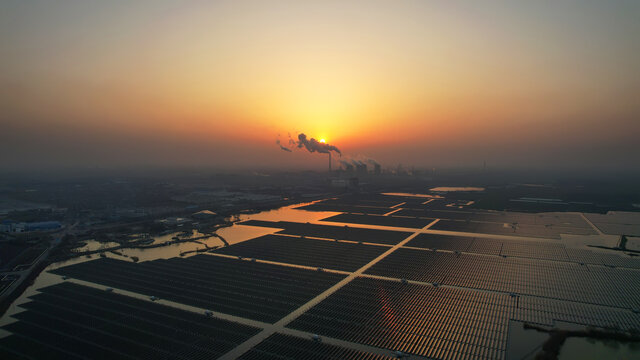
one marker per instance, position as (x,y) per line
(323,141)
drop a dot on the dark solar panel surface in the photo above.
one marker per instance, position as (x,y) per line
(280,346)
(558,280)
(70,321)
(253,290)
(361,209)
(375,200)
(334,232)
(308,252)
(617,259)
(509,228)
(444,242)
(395,221)
(546,219)
(447,214)
(443,323)
(544,250)
(546,311)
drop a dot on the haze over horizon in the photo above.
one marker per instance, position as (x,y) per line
(162,83)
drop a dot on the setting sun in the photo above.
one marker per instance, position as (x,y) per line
(323,141)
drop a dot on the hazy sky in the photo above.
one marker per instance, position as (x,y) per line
(429,83)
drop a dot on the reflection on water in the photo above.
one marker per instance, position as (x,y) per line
(92,245)
(289,213)
(583,348)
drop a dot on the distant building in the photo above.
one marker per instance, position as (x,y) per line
(361,169)
(347,167)
(345,183)
(19,227)
(43,226)
(6,226)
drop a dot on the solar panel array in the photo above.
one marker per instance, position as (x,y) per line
(545,219)
(544,250)
(547,311)
(280,346)
(499,223)
(334,232)
(360,209)
(374,200)
(558,280)
(470,289)
(444,242)
(70,321)
(391,220)
(334,255)
(507,228)
(220,284)
(442,323)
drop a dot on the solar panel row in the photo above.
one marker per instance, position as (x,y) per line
(543,219)
(567,281)
(220,284)
(506,228)
(546,311)
(307,252)
(442,323)
(334,232)
(391,220)
(361,209)
(545,250)
(280,346)
(70,321)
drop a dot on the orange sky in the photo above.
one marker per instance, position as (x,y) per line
(407,81)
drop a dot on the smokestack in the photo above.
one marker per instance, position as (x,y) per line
(329,161)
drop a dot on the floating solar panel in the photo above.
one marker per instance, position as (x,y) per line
(510,228)
(334,232)
(535,250)
(551,279)
(544,250)
(73,321)
(253,290)
(546,311)
(393,221)
(280,346)
(308,252)
(373,200)
(360,209)
(437,322)
(444,242)
(549,220)
(485,246)
(436,214)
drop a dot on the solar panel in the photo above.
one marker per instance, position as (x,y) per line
(229,286)
(280,346)
(74,321)
(307,252)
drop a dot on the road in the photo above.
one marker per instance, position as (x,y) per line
(24,274)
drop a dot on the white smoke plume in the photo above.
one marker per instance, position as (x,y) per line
(313,145)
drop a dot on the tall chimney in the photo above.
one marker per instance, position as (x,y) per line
(329,161)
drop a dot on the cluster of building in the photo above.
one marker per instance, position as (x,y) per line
(359,167)
(9,226)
